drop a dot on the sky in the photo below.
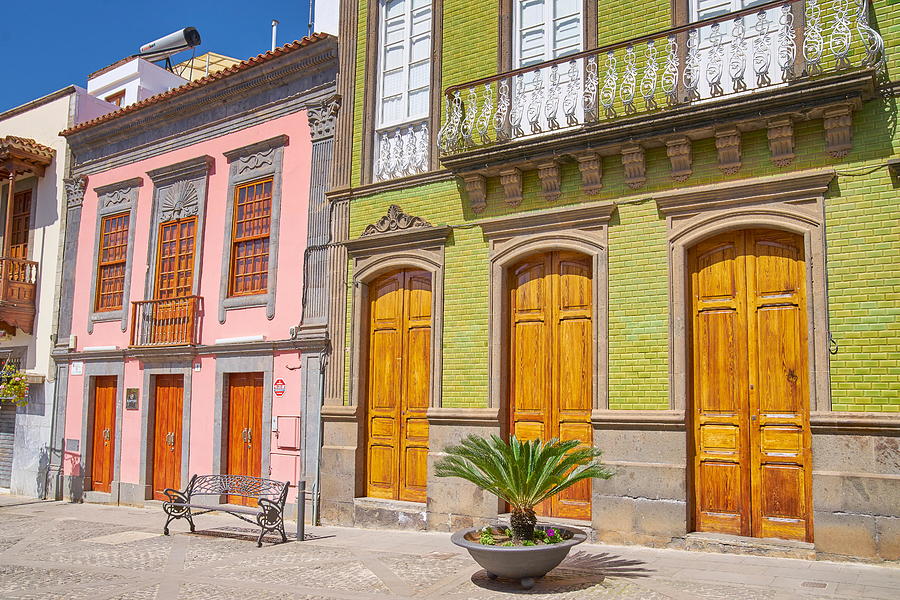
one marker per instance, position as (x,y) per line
(50,44)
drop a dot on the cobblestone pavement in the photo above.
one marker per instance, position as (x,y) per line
(55,551)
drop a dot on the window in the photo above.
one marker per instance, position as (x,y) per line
(250,239)
(111,263)
(118,98)
(546,29)
(21,224)
(707,9)
(404,87)
(175,266)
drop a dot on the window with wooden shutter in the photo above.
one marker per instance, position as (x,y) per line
(175,263)
(546,29)
(250,238)
(404,87)
(21,224)
(111,262)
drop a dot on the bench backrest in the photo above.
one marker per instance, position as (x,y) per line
(237,485)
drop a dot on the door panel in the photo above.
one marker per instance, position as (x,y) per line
(104,433)
(551,370)
(169,396)
(750,385)
(245,404)
(399,378)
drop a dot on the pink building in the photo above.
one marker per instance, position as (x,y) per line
(192,322)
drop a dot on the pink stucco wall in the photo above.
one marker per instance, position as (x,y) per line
(242,322)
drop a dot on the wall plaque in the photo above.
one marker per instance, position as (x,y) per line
(131,398)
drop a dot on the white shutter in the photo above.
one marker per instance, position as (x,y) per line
(546,29)
(405,61)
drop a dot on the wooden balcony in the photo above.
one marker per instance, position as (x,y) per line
(784,59)
(168,322)
(18,282)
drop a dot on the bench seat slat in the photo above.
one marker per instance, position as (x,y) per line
(219,507)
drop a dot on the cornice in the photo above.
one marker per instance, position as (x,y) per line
(119,185)
(187,169)
(402,183)
(276,142)
(399,240)
(785,187)
(580,216)
(440,415)
(855,422)
(638,419)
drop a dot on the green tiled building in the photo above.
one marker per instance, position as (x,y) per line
(670,229)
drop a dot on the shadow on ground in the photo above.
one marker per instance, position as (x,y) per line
(580,571)
(246,533)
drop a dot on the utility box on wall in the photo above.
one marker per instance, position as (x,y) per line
(288,433)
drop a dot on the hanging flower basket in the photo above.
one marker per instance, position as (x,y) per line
(13,386)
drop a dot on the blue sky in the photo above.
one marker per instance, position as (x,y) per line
(50,44)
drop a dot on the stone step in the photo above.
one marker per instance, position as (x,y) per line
(735,544)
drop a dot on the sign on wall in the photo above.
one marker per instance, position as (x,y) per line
(131,398)
(279,387)
(78,368)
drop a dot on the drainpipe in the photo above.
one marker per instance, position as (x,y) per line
(274,32)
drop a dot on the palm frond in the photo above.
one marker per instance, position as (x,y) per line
(523,474)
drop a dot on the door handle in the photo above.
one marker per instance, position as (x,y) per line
(249,435)
(752,417)
(244,434)
(106,434)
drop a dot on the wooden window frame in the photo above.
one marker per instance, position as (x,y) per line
(116,98)
(114,199)
(370,91)
(234,241)
(98,308)
(17,217)
(157,288)
(506,45)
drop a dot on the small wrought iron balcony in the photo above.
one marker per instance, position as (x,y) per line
(744,53)
(18,282)
(167,322)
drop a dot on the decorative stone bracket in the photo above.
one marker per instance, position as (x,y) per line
(635,167)
(548,172)
(395,220)
(511,180)
(591,166)
(728,145)
(781,141)
(476,189)
(679,151)
(838,122)
(75,187)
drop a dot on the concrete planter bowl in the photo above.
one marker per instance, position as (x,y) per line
(525,563)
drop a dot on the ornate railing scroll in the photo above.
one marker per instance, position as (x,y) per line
(773,44)
(401,151)
(167,322)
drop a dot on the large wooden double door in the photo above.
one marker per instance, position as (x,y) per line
(750,410)
(245,403)
(551,360)
(168,399)
(398,385)
(103,438)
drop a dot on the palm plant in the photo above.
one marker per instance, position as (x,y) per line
(523,474)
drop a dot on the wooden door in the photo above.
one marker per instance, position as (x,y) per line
(245,401)
(399,378)
(104,433)
(168,398)
(551,360)
(750,410)
(21,225)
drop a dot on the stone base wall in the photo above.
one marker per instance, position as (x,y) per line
(856,483)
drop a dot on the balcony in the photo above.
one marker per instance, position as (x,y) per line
(167,322)
(749,69)
(18,281)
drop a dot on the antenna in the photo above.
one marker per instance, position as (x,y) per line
(274,32)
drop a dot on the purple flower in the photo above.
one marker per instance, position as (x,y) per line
(551,532)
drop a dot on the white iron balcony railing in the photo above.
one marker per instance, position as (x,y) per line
(771,45)
(401,150)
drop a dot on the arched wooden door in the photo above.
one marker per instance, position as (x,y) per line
(752,461)
(399,365)
(551,360)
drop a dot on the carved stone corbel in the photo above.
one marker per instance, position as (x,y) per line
(75,187)
(511,180)
(635,167)
(679,151)
(728,145)
(476,190)
(591,166)
(781,141)
(394,220)
(548,172)
(838,121)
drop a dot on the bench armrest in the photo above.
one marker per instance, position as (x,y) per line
(270,513)
(176,503)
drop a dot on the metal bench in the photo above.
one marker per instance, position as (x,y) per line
(270,495)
